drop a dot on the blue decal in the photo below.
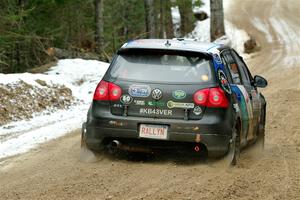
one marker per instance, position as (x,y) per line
(217,59)
(139,90)
(237,92)
(224,81)
(217,63)
(243,109)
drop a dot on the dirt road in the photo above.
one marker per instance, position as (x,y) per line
(53,171)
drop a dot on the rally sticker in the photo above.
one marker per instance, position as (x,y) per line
(139,102)
(217,59)
(197,110)
(126,99)
(117,105)
(139,90)
(156,103)
(172,104)
(224,81)
(178,94)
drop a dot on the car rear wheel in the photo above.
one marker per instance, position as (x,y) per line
(86,154)
(83,137)
(260,141)
(234,147)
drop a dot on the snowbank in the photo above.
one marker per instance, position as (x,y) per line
(81,76)
(234,37)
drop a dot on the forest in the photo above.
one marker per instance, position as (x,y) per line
(30,30)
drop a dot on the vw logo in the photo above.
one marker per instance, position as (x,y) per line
(156,94)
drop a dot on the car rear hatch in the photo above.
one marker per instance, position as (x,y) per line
(160,84)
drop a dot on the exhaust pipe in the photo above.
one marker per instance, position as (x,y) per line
(116,144)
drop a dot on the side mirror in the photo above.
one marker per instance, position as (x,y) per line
(260,81)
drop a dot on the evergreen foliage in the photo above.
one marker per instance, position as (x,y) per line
(29,27)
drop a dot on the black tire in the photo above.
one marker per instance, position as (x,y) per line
(86,154)
(260,141)
(234,148)
(83,136)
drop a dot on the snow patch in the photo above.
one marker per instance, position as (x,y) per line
(81,76)
(234,37)
(176,20)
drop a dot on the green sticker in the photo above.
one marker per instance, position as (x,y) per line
(156,103)
(178,94)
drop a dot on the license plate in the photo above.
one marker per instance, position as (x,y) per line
(154,131)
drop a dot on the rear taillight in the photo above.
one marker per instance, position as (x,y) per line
(106,91)
(211,97)
(115,92)
(201,96)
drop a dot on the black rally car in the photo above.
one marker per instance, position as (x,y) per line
(161,93)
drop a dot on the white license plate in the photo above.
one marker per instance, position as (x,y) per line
(154,131)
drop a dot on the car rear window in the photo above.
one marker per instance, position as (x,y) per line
(162,67)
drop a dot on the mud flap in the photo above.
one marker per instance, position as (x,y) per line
(86,155)
(83,135)
(233,154)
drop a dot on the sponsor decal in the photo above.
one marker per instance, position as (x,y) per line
(197,110)
(139,102)
(126,99)
(217,59)
(139,90)
(247,100)
(224,81)
(117,123)
(254,93)
(198,138)
(256,103)
(172,104)
(196,128)
(156,94)
(236,107)
(245,109)
(157,111)
(178,94)
(156,103)
(117,105)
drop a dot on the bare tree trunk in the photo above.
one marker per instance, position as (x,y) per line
(162,30)
(216,19)
(99,25)
(150,18)
(165,20)
(168,19)
(186,16)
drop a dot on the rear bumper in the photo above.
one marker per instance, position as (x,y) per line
(214,135)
